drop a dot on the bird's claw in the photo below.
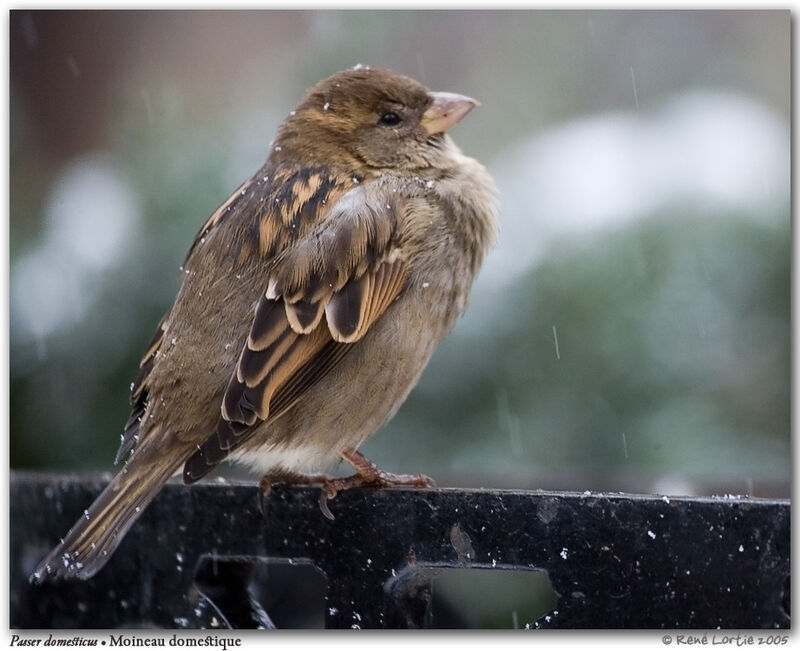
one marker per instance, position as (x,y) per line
(367,474)
(323,503)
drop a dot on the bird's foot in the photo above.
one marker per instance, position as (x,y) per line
(284,477)
(367,474)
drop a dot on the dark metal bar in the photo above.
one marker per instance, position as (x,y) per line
(614,560)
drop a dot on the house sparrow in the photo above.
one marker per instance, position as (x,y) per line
(311,301)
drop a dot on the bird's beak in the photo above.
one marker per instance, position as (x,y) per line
(446,110)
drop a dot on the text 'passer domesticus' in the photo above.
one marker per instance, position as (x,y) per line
(311,301)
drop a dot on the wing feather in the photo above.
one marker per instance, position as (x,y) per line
(348,270)
(139,392)
(354,308)
(305,315)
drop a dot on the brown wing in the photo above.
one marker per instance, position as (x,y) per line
(324,293)
(139,387)
(220,213)
(139,392)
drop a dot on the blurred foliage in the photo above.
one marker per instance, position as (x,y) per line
(491,599)
(658,348)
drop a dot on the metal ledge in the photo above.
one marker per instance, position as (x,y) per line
(614,560)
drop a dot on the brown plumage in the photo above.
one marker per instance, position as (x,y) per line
(311,301)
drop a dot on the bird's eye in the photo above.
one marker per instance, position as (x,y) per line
(390,119)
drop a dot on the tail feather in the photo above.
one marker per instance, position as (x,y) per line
(94,537)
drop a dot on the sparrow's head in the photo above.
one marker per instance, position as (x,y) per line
(375,117)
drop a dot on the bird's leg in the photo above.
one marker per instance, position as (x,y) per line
(284,477)
(367,474)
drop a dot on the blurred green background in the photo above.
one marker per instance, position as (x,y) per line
(630,331)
